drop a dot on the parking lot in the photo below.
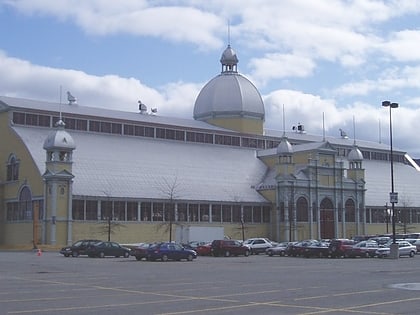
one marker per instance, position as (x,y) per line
(52,284)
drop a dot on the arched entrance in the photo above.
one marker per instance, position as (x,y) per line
(326,219)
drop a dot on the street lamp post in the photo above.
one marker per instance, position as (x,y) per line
(393,196)
(387,217)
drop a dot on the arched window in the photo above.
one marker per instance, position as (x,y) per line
(25,204)
(302,210)
(350,211)
(12,168)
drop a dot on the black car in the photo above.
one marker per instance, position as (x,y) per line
(103,249)
(296,249)
(78,248)
(317,249)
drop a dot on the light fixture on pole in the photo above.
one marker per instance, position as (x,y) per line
(393,196)
(388,212)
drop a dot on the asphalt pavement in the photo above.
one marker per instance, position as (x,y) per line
(52,284)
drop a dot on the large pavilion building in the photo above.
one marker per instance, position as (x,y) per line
(72,172)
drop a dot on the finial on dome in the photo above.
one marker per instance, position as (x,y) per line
(229,60)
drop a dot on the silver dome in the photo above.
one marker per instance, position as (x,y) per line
(355,154)
(229,57)
(59,138)
(229,94)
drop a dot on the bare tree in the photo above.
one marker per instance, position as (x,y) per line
(108,224)
(403,215)
(170,190)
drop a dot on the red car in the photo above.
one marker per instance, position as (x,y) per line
(140,251)
(338,247)
(203,249)
(229,248)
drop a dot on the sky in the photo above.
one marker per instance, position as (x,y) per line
(328,63)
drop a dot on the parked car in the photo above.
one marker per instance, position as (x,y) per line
(415,242)
(228,248)
(279,249)
(195,244)
(77,248)
(338,247)
(203,249)
(169,251)
(362,249)
(405,249)
(296,249)
(381,240)
(316,249)
(140,251)
(104,249)
(259,245)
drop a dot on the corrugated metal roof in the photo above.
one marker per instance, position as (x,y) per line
(135,167)
(378,183)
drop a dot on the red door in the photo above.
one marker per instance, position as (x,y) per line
(327,219)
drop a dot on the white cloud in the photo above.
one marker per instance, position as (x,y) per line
(402,46)
(274,66)
(108,17)
(390,79)
(20,78)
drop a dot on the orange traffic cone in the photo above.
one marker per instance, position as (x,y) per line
(39,252)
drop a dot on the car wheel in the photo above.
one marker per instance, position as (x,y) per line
(138,258)
(246,253)
(367,255)
(227,253)
(282,254)
(101,255)
(189,257)
(66,255)
(75,254)
(412,254)
(165,258)
(270,253)
(126,255)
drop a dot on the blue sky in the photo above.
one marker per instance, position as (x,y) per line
(337,59)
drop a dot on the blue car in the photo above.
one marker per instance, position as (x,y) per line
(169,251)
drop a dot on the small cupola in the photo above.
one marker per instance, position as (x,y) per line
(355,158)
(59,144)
(285,151)
(229,60)
(284,147)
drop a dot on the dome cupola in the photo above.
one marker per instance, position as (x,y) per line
(355,155)
(229,60)
(59,138)
(230,100)
(59,145)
